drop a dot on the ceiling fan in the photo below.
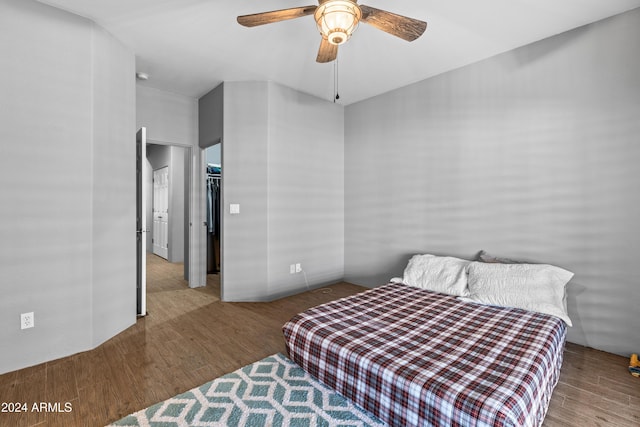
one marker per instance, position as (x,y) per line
(338,19)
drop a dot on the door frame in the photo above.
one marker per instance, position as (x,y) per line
(202,195)
(195,259)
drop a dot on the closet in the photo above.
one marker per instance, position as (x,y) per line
(213,218)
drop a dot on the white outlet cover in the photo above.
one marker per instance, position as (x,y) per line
(234,208)
(27,320)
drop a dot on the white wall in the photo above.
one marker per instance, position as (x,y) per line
(531,155)
(67,228)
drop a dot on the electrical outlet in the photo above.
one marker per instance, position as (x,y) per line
(27,320)
(292,269)
(298,268)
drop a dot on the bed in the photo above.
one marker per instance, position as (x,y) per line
(414,357)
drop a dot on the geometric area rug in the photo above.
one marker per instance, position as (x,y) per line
(272,392)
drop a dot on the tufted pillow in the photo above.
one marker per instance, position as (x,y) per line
(534,287)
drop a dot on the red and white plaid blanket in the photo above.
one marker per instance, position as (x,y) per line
(417,358)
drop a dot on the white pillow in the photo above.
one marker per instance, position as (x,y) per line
(447,275)
(534,287)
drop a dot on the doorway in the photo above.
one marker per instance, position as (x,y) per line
(191,181)
(168,202)
(213,160)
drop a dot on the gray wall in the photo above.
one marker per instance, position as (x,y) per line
(170,118)
(177,204)
(283,162)
(244,154)
(213,154)
(532,155)
(210,117)
(306,190)
(67,229)
(114,196)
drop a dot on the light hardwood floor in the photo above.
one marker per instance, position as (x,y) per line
(191,337)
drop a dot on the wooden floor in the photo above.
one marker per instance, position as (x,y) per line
(190,337)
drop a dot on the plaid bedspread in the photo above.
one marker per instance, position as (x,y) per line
(417,358)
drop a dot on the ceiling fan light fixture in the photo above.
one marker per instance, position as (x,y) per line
(337,20)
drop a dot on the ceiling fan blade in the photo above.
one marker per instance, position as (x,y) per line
(407,29)
(275,16)
(327,52)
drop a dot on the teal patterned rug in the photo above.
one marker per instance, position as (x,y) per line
(272,392)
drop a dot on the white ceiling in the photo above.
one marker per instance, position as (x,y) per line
(190,46)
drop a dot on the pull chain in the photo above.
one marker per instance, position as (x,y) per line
(335,81)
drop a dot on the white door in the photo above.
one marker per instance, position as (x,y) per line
(161,212)
(141,222)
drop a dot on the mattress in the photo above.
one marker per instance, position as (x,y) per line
(418,358)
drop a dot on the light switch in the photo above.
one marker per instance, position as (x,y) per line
(234,208)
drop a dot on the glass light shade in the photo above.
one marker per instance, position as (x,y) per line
(337,20)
